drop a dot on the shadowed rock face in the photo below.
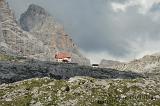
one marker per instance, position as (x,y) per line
(32,16)
(12,72)
(40,36)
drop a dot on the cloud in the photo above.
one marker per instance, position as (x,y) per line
(143,5)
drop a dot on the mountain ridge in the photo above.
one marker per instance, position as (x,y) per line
(145,64)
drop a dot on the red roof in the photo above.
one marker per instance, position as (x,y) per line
(62,55)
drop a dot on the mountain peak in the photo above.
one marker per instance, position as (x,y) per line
(37,21)
(34,14)
(37,10)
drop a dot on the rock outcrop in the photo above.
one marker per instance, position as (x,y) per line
(40,37)
(146,64)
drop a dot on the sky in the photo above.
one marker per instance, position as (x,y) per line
(105,29)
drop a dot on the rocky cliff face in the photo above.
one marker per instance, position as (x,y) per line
(15,41)
(146,64)
(39,38)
